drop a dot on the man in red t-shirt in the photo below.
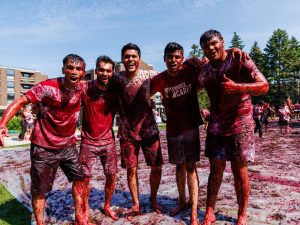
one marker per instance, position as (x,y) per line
(137,128)
(52,140)
(178,87)
(230,137)
(97,137)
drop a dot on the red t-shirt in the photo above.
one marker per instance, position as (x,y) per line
(229,114)
(99,109)
(136,117)
(179,97)
(58,114)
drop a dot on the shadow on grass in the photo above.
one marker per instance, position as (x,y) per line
(11,211)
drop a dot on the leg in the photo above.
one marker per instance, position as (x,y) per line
(110,186)
(193,185)
(80,191)
(155,177)
(180,181)
(132,179)
(38,205)
(214,182)
(242,188)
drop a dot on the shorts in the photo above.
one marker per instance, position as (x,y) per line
(184,148)
(151,149)
(44,165)
(240,147)
(283,122)
(107,154)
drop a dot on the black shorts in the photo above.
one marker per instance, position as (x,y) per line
(44,165)
(185,147)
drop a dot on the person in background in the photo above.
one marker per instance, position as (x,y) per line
(257,115)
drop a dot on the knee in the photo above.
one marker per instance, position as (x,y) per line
(131,171)
(156,169)
(190,167)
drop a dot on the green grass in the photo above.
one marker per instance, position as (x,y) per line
(11,211)
(162,126)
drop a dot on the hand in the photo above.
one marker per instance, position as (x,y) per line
(228,86)
(238,54)
(3,132)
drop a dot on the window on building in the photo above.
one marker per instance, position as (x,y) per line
(10,84)
(26,86)
(10,97)
(26,75)
(10,72)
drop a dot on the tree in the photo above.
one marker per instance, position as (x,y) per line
(277,62)
(196,51)
(236,41)
(257,56)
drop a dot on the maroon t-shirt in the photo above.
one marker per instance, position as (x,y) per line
(229,114)
(58,114)
(99,109)
(179,97)
(136,117)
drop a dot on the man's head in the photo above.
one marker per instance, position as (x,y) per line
(173,57)
(104,69)
(131,57)
(212,44)
(73,69)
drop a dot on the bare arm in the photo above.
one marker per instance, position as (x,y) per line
(11,111)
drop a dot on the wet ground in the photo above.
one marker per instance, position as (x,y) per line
(274,180)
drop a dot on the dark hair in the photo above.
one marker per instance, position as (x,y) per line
(206,36)
(172,47)
(130,46)
(105,59)
(74,58)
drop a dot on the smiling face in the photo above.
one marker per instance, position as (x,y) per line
(173,61)
(131,61)
(73,70)
(214,49)
(104,72)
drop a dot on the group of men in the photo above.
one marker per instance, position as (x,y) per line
(229,82)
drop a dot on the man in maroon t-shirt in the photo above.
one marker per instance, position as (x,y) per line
(178,88)
(97,137)
(230,137)
(52,140)
(137,128)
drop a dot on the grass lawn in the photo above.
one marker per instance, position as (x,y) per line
(11,211)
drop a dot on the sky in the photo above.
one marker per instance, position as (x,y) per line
(38,34)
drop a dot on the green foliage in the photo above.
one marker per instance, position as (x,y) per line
(12,212)
(203,99)
(14,123)
(257,56)
(196,51)
(236,41)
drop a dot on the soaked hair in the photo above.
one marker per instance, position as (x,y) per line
(172,47)
(130,46)
(73,58)
(105,59)
(206,36)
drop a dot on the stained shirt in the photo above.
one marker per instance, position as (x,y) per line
(229,114)
(179,97)
(136,117)
(58,113)
(99,109)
